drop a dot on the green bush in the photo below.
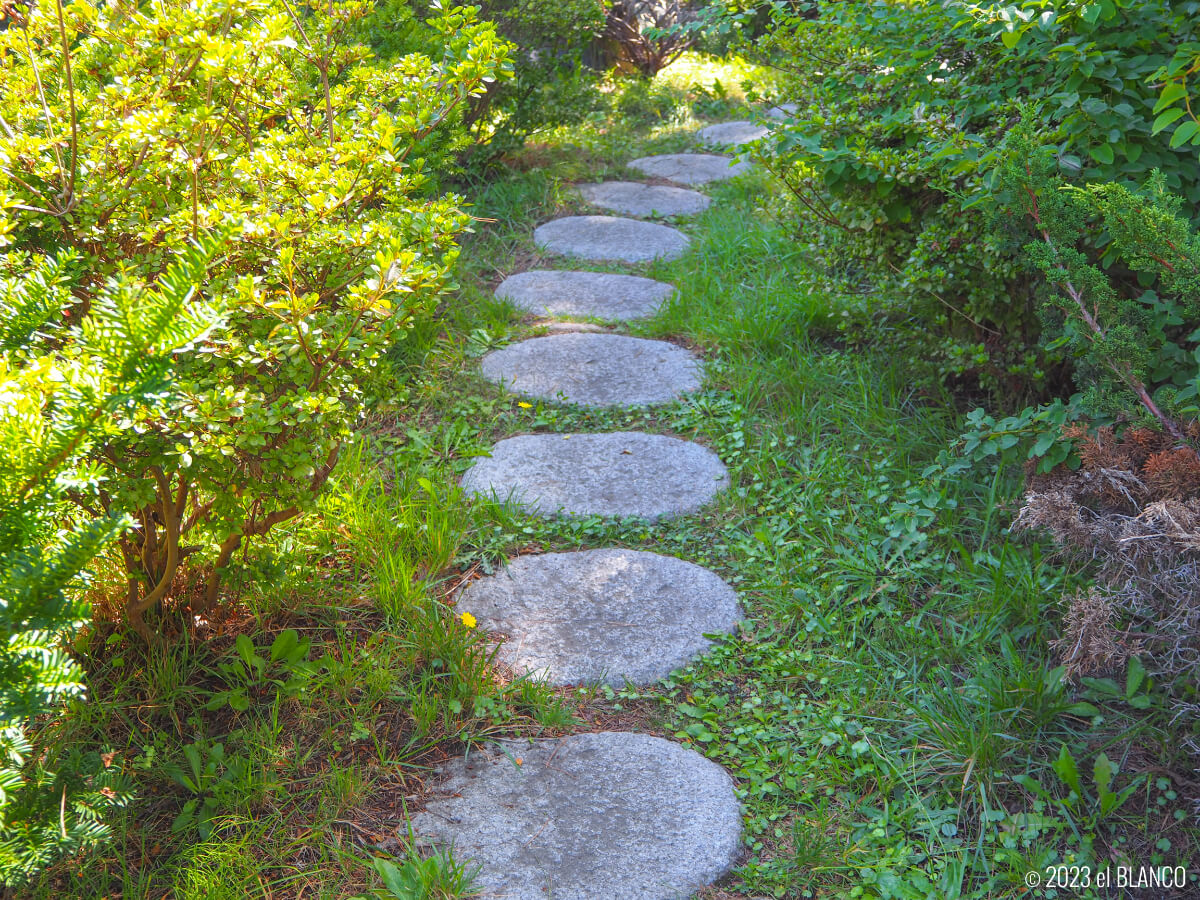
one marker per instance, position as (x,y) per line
(64,393)
(1135,345)
(130,132)
(550,85)
(891,153)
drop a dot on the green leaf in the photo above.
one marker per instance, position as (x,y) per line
(1102,774)
(1134,676)
(1103,153)
(1171,93)
(1185,133)
(1066,769)
(1163,119)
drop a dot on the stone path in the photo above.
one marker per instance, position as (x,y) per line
(607,616)
(595,369)
(598,294)
(690,168)
(607,816)
(624,473)
(731,134)
(610,239)
(610,815)
(645,200)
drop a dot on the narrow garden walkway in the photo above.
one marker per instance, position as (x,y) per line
(610,815)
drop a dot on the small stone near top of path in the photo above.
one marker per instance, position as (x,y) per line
(610,239)
(600,294)
(690,168)
(607,616)
(624,473)
(782,111)
(731,134)
(636,199)
(600,816)
(595,369)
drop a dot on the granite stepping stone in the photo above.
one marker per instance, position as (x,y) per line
(599,294)
(731,134)
(690,168)
(600,816)
(636,199)
(608,616)
(595,369)
(610,239)
(623,473)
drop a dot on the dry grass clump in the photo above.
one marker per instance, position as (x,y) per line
(1132,507)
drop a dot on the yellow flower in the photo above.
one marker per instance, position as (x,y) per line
(525,405)
(468,620)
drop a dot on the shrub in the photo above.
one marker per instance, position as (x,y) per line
(648,35)
(891,149)
(130,132)
(63,393)
(550,84)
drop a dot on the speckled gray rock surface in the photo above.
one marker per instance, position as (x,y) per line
(607,816)
(623,473)
(730,134)
(599,294)
(610,239)
(782,111)
(602,615)
(636,199)
(689,168)
(595,369)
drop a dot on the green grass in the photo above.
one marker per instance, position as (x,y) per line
(890,710)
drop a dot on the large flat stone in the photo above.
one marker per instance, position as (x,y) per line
(731,134)
(782,111)
(595,369)
(602,615)
(599,294)
(610,239)
(623,473)
(690,168)
(636,199)
(607,816)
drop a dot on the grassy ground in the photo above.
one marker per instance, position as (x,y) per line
(890,710)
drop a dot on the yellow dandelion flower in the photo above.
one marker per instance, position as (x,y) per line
(468,620)
(525,405)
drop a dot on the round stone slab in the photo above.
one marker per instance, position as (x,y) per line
(731,134)
(610,238)
(622,473)
(690,168)
(598,294)
(607,816)
(636,199)
(595,369)
(608,616)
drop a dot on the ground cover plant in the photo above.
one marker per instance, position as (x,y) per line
(894,712)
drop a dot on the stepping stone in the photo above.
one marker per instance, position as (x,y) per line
(622,473)
(636,199)
(598,294)
(595,369)
(553,327)
(782,111)
(602,615)
(690,168)
(610,238)
(605,816)
(731,134)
